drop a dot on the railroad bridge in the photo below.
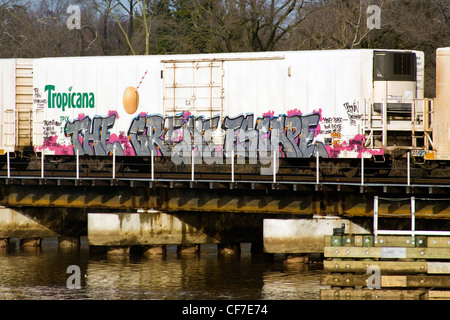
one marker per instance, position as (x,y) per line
(277,213)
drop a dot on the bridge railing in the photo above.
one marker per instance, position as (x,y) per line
(413,231)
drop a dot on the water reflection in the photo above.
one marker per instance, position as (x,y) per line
(40,273)
(293,282)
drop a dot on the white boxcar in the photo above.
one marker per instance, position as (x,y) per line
(314,101)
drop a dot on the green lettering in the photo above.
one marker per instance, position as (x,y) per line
(73,103)
(79,100)
(85,100)
(58,100)
(64,101)
(91,100)
(69,100)
(49,88)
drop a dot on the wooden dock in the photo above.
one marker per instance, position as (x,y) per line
(358,266)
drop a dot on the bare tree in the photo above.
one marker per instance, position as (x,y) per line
(138,14)
(111,5)
(420,25)
(268,22)
(337,24)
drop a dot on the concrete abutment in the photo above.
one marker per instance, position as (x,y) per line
(188,231)
(149,232)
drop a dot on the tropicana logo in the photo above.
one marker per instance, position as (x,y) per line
(69,99)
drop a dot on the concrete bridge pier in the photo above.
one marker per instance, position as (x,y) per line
(188,231)
(28,242)
(303,236)
(31,224)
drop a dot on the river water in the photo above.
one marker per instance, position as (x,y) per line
(41,274)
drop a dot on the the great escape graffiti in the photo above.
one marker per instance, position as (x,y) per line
(293,136)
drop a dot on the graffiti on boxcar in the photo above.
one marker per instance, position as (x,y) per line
(92,136)
(177,136)
(353,113)
(184,137)
(210,139)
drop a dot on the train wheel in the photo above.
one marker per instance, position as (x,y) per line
(350,168)
(85,166)
(119,166)
(350,172)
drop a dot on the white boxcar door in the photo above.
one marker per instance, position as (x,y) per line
(194,86)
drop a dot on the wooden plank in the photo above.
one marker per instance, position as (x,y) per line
(443,242)
(360,280)
(437,295)
(358,241)
(394,241)
(394,281)
(428,253)
(344,280)
(389,281)
(387,252)
(393,252)
(390,241)
(347,240)
(438,267)
(366,294)
(386,267)
(356,252)
(429,281)
(327,241)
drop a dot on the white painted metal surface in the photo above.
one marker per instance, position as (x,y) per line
(76,92)
(7,104)
(24,102)
(412,232)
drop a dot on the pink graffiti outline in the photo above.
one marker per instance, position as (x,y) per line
(51,145)
(124,141)
(355,144)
